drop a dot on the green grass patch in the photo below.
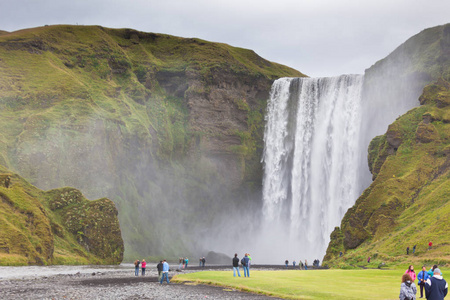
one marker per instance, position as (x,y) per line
(320,284)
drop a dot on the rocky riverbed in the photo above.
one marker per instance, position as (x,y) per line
(117,284)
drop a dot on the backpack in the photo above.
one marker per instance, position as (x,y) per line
(243,261)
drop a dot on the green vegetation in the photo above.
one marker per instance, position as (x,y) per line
(55,227)
(320,284)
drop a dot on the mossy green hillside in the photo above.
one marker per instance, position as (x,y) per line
(55,227)
(168,128)
(408,202)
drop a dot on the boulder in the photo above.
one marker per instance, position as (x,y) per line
(218,258)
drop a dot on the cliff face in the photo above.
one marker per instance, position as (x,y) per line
(55,227)
(407,204)
(170,129)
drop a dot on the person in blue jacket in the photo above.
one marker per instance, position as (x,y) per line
(422,276)
(431,272)
(165,272)
(245,262)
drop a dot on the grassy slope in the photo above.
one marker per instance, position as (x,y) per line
(73,91)
(39,227)
(320,284)
(409,201)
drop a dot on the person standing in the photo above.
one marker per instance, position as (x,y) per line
(301,264)
(235,262)
(7,182)
(203,262)
(407,250)
(436,287)
(293,264)
(136,267)
(429,245)
(422,277)
(368,260)
(414,249)
(181,261)
(306,264)
(160,268)
(408,289)
(245,262)
(286,262)
(411,273)
(186,260)
(165,272)
(431,271)
(143,266)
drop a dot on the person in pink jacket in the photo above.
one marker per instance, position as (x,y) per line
(144,265)
(411,273)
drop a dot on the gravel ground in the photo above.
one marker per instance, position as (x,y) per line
(112,285)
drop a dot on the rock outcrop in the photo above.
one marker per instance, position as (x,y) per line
(56,227)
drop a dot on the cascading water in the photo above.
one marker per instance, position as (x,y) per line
(311,159)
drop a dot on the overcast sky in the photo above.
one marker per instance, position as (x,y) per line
(316,37)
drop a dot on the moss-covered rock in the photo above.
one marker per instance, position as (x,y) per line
(59,226)
(336,246)
(426,132)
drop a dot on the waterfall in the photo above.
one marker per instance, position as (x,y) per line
(311,159)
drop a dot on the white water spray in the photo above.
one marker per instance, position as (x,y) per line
(311,159)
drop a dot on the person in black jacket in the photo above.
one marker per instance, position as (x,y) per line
(160,268)
(236,265)
(436,287)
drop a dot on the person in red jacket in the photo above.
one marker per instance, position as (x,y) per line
(429,245)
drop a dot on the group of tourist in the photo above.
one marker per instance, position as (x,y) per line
(431,281)
(163,271)
(201,262)
(245,262)
(183,261)
(143,265)
(430,245)
(302,266)
(162,267)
